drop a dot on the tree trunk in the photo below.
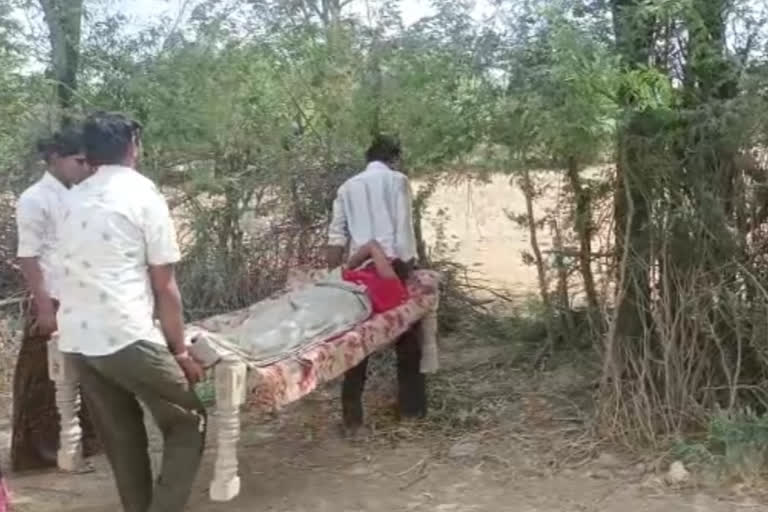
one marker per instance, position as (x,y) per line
(632,208)
(584,230)
(64,20)
(632,214)
(526,184)
(566,325)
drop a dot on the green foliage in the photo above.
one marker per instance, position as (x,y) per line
(736,444)
(693,453)
(560,100)
(22,113)
(744,427)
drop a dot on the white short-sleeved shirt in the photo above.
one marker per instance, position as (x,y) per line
(375,205)
(39,210)
(116,226)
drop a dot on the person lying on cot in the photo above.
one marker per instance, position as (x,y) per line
(274,329)
(382,279)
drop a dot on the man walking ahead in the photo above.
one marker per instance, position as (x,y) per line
(117,250)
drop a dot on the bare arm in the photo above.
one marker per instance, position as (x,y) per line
(45,311)
(168,306)
(31,229)
(33,276)
(373,251)
(362,255)
(162,253)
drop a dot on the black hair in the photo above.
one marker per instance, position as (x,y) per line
(66,142)
(384,148)
(108,136)
(402,269)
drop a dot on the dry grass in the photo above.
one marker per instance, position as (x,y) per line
(482,400)
(9,347)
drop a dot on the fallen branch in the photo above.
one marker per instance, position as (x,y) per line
(492,291)
(12,301)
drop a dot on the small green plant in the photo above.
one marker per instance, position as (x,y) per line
(742,440)
(693,453)
(736,443)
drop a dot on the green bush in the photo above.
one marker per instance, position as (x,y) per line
(736,444)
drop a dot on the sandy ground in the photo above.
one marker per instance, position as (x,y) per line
(474,219)
(479,233)
(497,440)
(515,456)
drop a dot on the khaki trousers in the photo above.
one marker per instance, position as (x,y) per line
(112,387)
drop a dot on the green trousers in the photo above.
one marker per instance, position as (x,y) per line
(112,387)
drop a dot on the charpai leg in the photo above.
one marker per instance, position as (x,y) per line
(64,375)
(230,395)
(429,358)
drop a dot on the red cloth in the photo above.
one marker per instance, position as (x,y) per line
(385,294)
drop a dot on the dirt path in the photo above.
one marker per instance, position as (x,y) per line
(332,476)
(489,449)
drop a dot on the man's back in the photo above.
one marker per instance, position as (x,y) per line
(117,224)
(375,205)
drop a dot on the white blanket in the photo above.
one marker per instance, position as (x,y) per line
(278,328)
(307,314)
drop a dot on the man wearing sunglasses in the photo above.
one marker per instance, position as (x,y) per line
(39,212)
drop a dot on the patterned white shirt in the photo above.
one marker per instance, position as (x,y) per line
(375,205)
(39,210)
(117,225)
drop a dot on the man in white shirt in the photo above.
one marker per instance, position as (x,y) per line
(376,204)
(117,251)
(38,212)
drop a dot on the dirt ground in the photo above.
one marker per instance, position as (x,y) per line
(496,440)
(498,437)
